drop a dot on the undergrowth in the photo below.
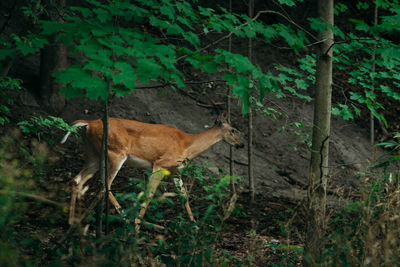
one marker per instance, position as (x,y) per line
(364,233)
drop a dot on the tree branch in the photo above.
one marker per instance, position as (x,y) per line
(245,24)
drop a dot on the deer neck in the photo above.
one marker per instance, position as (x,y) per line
(203,141)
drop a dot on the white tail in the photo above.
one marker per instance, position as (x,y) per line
(78,123)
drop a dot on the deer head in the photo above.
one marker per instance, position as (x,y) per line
(229,134)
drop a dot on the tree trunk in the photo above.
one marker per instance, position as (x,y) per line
(229,107)
(316,206)
(53,59)
(372,117)
(104,169)
(250,121)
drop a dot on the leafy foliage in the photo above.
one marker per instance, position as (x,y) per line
(7,84)
(118,52)
(182,242)
(369,40)
(16,178)
(44,128)
(365,232)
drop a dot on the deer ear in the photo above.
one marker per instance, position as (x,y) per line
(223,117)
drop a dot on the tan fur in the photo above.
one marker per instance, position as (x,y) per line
(142,145)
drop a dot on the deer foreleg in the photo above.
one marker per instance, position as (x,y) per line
(179,184)
(151,188)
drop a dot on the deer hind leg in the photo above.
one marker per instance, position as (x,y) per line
(90,168)
(152,186)
(179,184)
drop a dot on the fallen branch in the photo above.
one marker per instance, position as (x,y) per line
(210,105)
(238,162)
(34,197)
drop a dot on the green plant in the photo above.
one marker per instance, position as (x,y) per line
(366,231)
(7,83)
(44,128)
(181,242)
(16,184)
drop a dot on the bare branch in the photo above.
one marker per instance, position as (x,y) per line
(35,197)
(245,24)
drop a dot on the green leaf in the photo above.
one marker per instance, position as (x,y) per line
(71,92)
(50,27)
(241,91)
(287,2)
(97,89)
(230,78)
(339,8)
(86,12)
(7,52)
(148,69)
(390,92)
(78,78)
(362,5)
(343,111)
(388,144)
(168,10)
(317,24)
(239,62)
(102,15)
(356,110)
(192,38)
(70,74)
(266,85)
(126,75)
(301,84)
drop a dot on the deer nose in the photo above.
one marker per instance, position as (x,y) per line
(240,145)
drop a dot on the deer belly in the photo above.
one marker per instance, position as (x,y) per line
(136,162)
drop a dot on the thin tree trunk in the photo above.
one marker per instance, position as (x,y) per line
(229,106)
(53,59)
(316,206)
(99,215)
(6,67)
(372,118)
(104,163)
(250,119)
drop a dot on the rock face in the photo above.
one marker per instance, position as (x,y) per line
(281,161)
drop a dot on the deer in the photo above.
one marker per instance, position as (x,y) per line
(137,144)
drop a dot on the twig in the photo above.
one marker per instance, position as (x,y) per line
(286,18)
(210,105)
(245,24)
(169,84)
(231,206)
(237,162)
(35,197)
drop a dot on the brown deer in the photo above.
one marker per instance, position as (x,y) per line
(144,145)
